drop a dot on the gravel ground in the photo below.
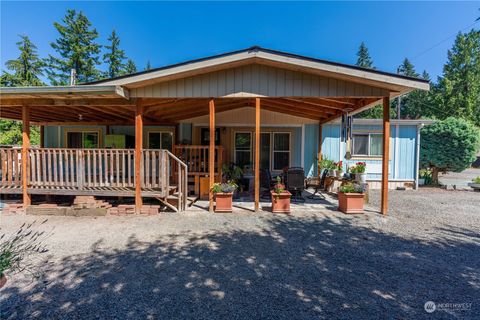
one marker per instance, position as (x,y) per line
(311,264)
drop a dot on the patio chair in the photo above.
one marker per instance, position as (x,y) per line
(296,183)
(317,184)
(266,183)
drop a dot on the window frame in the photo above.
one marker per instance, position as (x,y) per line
(272,148)
(83,131)
(159,131)
(369,135)
(235,146)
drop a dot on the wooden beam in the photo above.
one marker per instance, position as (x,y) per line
(299,106)
(291,111)
(138,157)
(257,154)
(25,146)
(211,154)
(385,154)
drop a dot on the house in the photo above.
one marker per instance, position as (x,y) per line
(154,133)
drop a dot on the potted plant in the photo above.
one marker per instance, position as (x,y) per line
(223,193)
(16,253)
(329,165)
(358,170)
(280,198)
(234,173)
(339,169)
(351,198)
(475,185)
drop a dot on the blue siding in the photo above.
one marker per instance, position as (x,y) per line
(311,152)
(297,147)
(402,166)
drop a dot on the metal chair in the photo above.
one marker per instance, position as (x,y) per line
(266,183)
(318,184)
(296,183)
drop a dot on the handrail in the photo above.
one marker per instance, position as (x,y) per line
(182,181)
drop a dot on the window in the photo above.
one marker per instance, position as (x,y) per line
(243,148)
(367,144)
(281,151)
(82,139)
(265,151)
(160,140)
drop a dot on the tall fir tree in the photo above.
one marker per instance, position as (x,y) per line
(26,71)
(407,69)
(363,57)
(130,67)
(115,57)
(149,66)
(457,92)
(27,68)
(76,48)
(417,104)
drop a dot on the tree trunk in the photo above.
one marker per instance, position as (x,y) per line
(435,172)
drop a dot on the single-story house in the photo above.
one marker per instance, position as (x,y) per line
(154,133)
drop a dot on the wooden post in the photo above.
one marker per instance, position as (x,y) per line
(385,154)
(25,146)
(211,150)
(320,138)
(257,154)
(138,157)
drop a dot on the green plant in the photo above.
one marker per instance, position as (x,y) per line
(351,188)
(279,187)
(18,250)
(232,172)
(448,145)
(224,187)
(359,167)
(327,164)
(426,175)
(476,180)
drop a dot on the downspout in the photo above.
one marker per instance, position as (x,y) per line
(417,169)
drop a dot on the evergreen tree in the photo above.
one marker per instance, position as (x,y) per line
(27,68)
(407,69)
(363,57)
(114,57)
(76,48)
(458,90)
(148,67)
(130,67)
(417,104)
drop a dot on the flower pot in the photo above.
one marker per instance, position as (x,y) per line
(223,202)
(350,202)
(331,173)
(280,202)
(338,173)
(361,177)
(3,281)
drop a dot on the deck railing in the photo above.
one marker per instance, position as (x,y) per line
(196,158)
(58,169)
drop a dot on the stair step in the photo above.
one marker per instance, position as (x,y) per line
(173,199)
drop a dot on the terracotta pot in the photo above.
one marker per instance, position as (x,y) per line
(3,281)
(350,202)
(223,202)
(280,202)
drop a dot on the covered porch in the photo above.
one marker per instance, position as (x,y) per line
(256,79)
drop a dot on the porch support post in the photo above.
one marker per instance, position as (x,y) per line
(257,154)
(138,157)
(385,154)
(25,146)
(211,152)
(319,156)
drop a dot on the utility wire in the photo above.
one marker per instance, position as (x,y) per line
(441,42)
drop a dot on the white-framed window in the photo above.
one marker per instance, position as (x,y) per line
(160,140)
(243,148)
(280,150)
(85,139)
(367,144)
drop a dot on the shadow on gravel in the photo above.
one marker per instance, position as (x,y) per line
(299,268)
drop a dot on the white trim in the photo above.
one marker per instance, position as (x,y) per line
(248,125)
(406,122)
(417,165)
(397,150)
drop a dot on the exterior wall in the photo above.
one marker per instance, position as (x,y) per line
(403,140)
(257,80)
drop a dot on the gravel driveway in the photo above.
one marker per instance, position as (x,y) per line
(308,265)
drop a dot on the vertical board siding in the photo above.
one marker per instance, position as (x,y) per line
(311,149)
(255,79)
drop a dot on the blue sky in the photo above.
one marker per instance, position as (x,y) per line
(170,32)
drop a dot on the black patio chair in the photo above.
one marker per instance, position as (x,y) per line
(296,183)
(318,185)
(266,183)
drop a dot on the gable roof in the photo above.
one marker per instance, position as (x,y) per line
(258,55)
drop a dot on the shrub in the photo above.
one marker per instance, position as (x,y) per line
(448,145)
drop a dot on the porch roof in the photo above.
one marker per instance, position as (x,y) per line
(290,84)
